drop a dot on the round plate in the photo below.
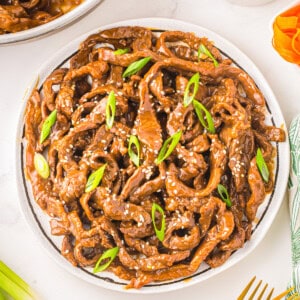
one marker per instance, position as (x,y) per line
(38,221)
(54,25)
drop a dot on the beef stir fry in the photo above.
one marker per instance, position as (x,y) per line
(18,15)
(150,153)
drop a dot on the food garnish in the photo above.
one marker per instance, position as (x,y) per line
(224,194)
(109,255)
(160,233)
(121,51)
(41,165)
(95,179)
(110,110)
(134,156)
(262,166)
(47,125)
(205,51)
(188,96)
(204,116)
(168,147)
(136,66)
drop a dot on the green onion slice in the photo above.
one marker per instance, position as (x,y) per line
(188,98)
(262,166)
(160,233)
(110,109)
(121,51)
(200,112)
(136,66)
(135,157)
(13,284)
(41,165)
(168,147)
(108,254)
(1,296)
(47,125)
(224,194)
(204,50)
(95,179)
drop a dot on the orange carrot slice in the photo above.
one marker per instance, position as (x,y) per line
(286,38)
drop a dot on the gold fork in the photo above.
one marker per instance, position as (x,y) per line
(244,293)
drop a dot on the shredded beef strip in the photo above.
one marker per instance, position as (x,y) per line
(17,15)
(200,228)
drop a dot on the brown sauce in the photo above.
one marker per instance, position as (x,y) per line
(199,226)
(17,15)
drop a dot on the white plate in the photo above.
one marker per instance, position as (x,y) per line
(54,25)
(38,221)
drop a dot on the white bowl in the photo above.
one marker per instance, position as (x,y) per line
(38,221)
(250,2)
(54,25)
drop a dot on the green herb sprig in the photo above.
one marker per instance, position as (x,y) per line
(109,254)
(160,233)
(121,51)
(110,109)
(168,147)
(224,194)
(135,157)
(136,66)
(41,165)
(202,49)
(188,96)
(47,125)
(262,166)
(201,111)
(95,179)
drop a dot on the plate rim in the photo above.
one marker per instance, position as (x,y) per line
(168,24)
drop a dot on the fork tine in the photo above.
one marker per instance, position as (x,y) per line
(246,289)
(255,290)
(270,294)
(262,292)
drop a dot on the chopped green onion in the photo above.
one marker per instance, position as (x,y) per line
(188,98)
(110,109)
(108,254)
(121,51)
(135,157)
(262,166)
(168,147)
(136,66)
(41,165)
(160,233)
(47,125)
(204,50)
(200,110)
(95,179)
(224,194)
(14,285)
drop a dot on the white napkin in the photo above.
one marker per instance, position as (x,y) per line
(294,201)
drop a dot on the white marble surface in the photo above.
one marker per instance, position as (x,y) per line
(248,28)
